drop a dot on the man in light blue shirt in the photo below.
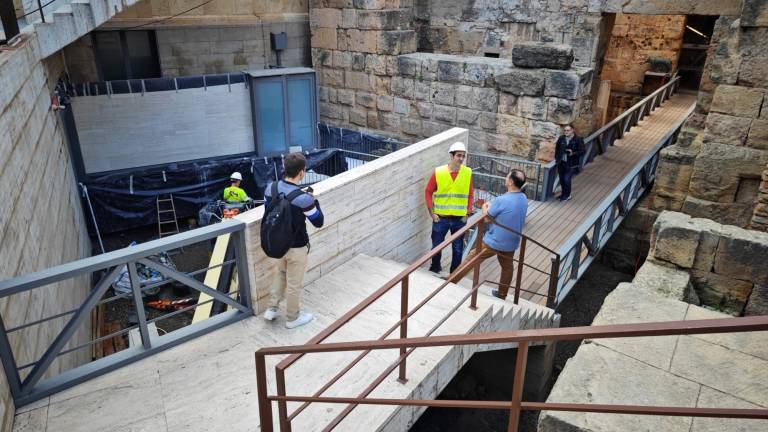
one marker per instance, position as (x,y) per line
(506,211)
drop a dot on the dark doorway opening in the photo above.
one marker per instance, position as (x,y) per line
(693,54)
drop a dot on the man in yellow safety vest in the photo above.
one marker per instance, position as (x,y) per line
(234,193)
(449,201)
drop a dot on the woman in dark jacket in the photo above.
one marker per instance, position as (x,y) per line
(568,151)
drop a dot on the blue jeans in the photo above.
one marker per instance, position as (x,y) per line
(565,173)
(439,231)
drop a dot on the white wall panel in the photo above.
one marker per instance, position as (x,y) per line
(131,130)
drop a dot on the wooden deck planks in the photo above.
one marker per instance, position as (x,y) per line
(552,223)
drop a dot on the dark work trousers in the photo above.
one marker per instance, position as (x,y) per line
(565,173)
(439,231)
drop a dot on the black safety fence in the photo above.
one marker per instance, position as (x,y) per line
(127,199)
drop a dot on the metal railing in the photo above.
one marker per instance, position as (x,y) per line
(30,381)
(402,279)
(599,142)
(489,173)
(580,249)
(523,338)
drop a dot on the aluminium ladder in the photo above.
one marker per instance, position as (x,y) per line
(166,216)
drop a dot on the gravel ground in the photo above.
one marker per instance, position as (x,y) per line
(191,258)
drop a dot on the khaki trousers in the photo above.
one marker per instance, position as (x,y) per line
(288,281)
(506,261)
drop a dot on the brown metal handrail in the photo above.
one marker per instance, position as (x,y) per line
(523,339)
(403,279)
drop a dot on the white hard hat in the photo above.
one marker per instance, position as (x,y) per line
(236,176)
(457,146)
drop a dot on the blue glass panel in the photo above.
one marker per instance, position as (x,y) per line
(270,115)
(300,112)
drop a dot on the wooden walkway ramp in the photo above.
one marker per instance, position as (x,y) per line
(553,223)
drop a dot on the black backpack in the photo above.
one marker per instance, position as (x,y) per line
(277,228)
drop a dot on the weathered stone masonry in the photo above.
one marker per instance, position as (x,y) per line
(371,79)
(718,167)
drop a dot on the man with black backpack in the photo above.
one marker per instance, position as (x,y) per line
(285,240)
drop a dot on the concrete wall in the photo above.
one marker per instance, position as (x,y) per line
(634,39)
(41,220)
(198,50)
(387,193)
(134,130)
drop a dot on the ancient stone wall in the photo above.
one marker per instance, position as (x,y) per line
(41,218)
(633,40)
(726,263)
(480,27)
(717,166)
(370,80)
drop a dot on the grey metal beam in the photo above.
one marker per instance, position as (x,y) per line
(137,301)
(118,257)
(9,362)
(125,357)
(193,283)
(68,330)
(243,272)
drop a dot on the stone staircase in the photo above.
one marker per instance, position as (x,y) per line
(208,383)
(70,20)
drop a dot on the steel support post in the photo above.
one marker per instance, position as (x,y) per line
(265,406)
(403,327)
(139,303)
(519,275)
(517,386)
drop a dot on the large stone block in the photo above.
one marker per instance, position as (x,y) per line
(753,71)
(725,213)
(402,87)
(361,41)
(424,109)
(754,13)
(445,113)
(741,254)
(563,84)
(758,134)
(544,130)
(408,66)
(757,304)
(521,82)
(719,169)
(442,93)
(466,117)
(534,108)
(598,375)
(389,19)
(325,17)
(675,239)
(512,125)
(721,292)
(396,42)
(483,99)
(367,100)
(737,100)
(323,37)
(542,55)
(358,81)
(561,111)
(346,97)
(358,116)
(411,126)
(667,281)
(385,103)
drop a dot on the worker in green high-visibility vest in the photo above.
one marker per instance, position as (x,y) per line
(234,193)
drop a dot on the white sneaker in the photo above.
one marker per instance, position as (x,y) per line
(303,318)
(271,313)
